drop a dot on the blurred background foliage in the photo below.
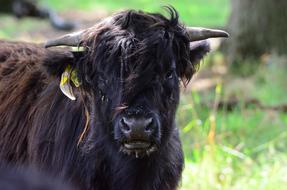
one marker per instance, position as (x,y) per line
(233,119)
(191,11)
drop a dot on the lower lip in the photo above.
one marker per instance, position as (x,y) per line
(137,145)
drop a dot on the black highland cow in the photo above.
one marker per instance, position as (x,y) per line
(111,124)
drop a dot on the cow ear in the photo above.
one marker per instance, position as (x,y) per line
(197,50)
(61,64)
(56,61)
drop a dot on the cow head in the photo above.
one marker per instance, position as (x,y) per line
(131,68)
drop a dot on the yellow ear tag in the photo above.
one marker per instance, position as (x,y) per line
(74,78)
(65,85)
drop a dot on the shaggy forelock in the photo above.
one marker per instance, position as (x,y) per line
(133,42)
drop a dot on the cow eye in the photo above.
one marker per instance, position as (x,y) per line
(169,74)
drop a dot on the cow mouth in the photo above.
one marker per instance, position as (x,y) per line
(138,148)
(137,145)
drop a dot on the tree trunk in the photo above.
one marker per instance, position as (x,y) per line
(257,27)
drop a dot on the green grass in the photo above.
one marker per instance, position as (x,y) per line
(242,149)
(8,25)
(193,12)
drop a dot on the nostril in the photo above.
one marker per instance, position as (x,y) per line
(124,126)
(137,126)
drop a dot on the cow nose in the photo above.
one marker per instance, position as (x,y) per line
(137,128)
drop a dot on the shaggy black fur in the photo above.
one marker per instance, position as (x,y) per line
(27,179)
(133,61)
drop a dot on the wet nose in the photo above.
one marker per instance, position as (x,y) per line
(137,128)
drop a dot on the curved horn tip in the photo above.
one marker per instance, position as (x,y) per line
(48,44)
(198,33)
(224,34)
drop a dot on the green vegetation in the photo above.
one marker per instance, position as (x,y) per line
(240,149)
(194,12)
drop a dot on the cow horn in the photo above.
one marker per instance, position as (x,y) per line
(197,33)
(73,39)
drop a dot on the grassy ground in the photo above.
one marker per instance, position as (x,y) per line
(241,149)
